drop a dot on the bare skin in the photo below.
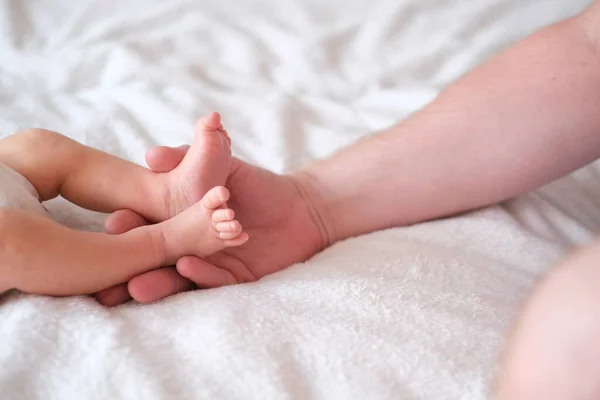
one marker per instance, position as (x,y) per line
(519,121)
(57,165)
(40,256)
(553,353)
(277,218)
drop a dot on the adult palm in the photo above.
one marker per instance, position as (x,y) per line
(278,212)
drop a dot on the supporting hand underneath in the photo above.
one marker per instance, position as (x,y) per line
(278,212)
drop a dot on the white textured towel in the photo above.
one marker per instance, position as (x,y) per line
(408,313)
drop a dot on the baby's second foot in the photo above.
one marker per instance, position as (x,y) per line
(202,229)
(206,165)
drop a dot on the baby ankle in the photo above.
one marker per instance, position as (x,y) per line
(159,246)
(157,200)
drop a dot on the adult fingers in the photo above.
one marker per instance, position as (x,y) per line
(122,221)
(113,296)
(164,159)
(158,284)
(203,273)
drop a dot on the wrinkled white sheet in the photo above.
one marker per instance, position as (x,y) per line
(409,313)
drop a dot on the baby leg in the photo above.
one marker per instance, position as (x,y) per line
(56,165)
(40,256)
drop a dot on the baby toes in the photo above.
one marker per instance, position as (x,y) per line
(224,132)
(222,215)
(228,229)
(237,241)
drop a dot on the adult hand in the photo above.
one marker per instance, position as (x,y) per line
(280,214)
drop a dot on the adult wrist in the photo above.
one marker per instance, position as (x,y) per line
(313,192)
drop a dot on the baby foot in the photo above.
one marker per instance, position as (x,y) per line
(206,165)
(203,229)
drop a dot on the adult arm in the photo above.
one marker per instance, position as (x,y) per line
(525,118)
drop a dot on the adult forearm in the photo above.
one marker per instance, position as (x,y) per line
(519,121)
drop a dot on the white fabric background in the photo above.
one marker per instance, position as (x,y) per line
(409,313)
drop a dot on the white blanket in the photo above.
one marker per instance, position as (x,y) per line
(409,313)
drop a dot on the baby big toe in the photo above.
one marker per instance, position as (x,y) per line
(210,122)
(215,198)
